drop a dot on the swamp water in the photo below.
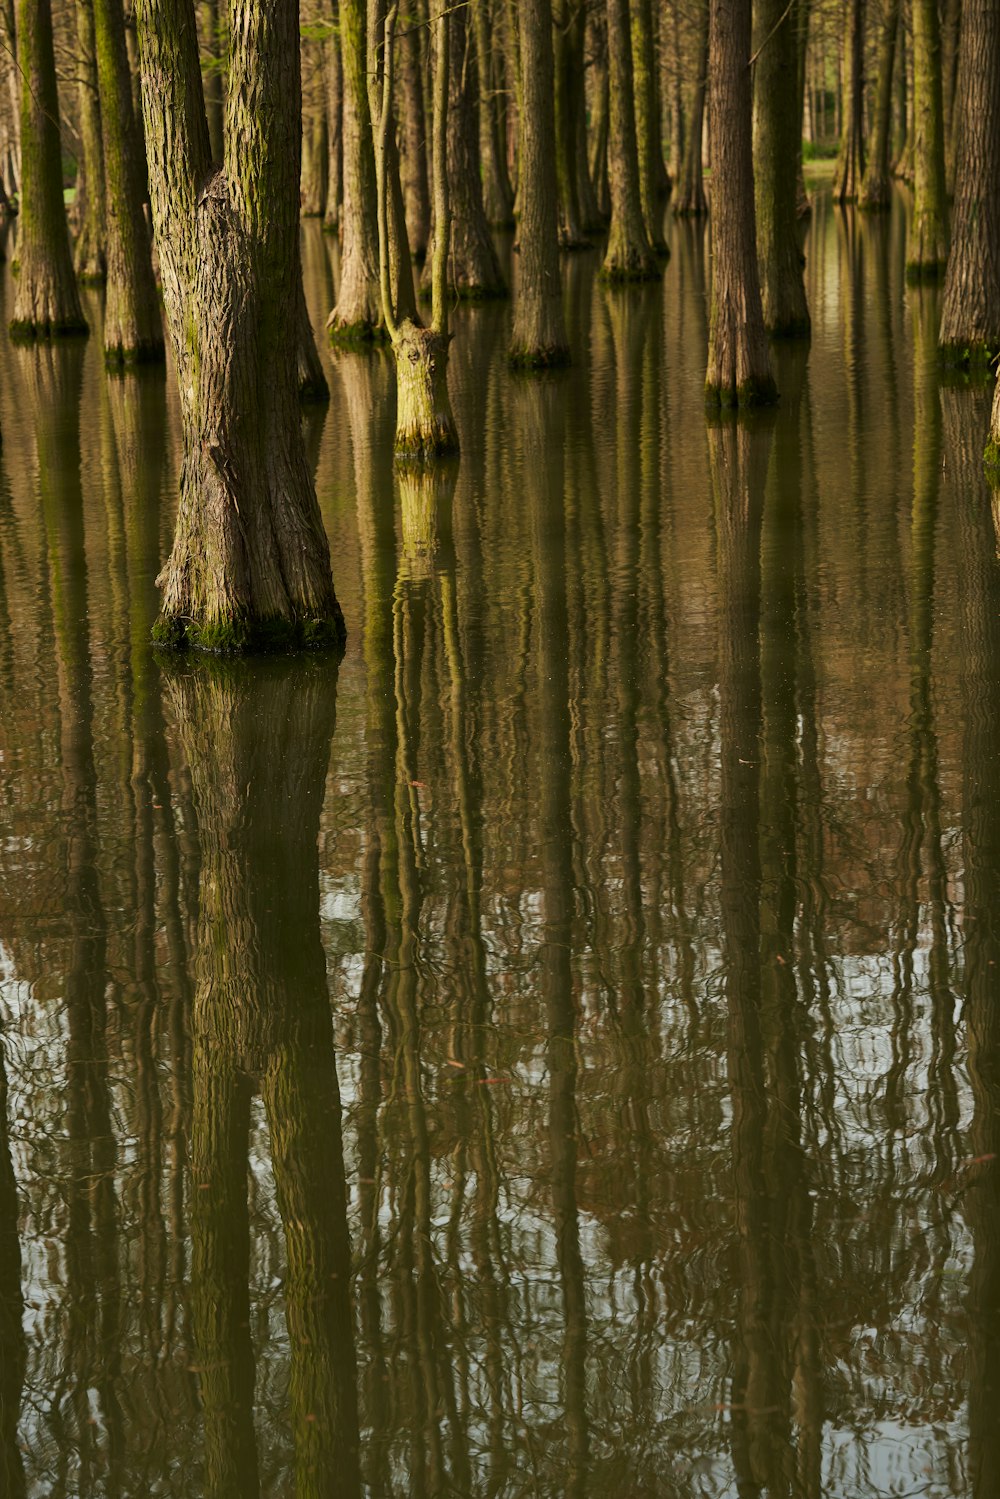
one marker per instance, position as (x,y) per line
(555,1051)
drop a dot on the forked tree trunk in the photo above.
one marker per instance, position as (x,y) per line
(647,124)
(776,157)
(88,254)
(250,564)
(851,162)
(970,317)
(357,317)
(876,186)
(539,336)
(629,255)
(133,326)
(739,362)
(47,301)
(927,253)
(689,191)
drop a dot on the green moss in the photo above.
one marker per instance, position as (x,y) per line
(360,335)
(991,462)
(425,448)
(554,357)
(975,358)
(631,273)
(25,332)
(242,636)
(118,361)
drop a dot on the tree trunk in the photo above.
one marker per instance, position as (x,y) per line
(647,125)
(927,255)
(851,162)
(250,565)
(800,23)
(47,301)
(498,195)
(334,82)
(316,155)
(88,256)
(212,73)
(539,336)
(601,111)
(629,256)
(416,181)
(133,326)
(357,317)
(739,363)
(970,316)
(876,186)
(952,22)
(570,113)
(777,138)
(689,191)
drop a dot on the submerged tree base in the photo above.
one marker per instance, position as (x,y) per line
(553,357)
(24,331)
(974,359)
(362,334)
(631,268)
(425,426)
(925,272)
(242,635)
(119,360)
(750,395)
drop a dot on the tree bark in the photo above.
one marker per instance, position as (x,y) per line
(47,301)
(213,73)
(316,150)
(539,336)
(334,81)
(648,125)
(689,191)
(416,180)
(777,136)
(629,255)
(927,254)
(876,186)
(357,317)
(739,363)
(576,218)
(498,195)
(133,326)
(88,255)
(970,316)
(250,564)
(851,162)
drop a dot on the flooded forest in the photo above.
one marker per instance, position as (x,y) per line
(499,749)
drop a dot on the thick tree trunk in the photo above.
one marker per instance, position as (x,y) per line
(777,137)
(876,186)
(47,301)
(851,162)
(570,113)
(333,78)
(927,254)
(647,124)
(88,254)
(689,190)
(629,255)
(250,565)
(498,195)
(357,317)
(133,326)
(739,363)
(970,316)
(952,23)
(539,336)
(601,111)
(416,180)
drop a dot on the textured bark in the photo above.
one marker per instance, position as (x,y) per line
(498,195)
(47,301)
(88,254)
(539,336)
(333,78)
(11,83)
(952,24)
(416,180)
(133,326)
(213,72)
(876,185)
(647,124)
(315,157)
(970,316)
(777,134)
(602,126)
(357,317)
(739,363)
(250,564)
(689,191)
(927,252)
(629,256)
(575,219)
(400,259)
(851,162)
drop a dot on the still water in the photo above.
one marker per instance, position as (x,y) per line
(555,1051)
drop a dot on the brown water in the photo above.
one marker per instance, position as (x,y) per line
(557,1051)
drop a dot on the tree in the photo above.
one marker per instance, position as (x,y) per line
(539,336)
(647,124)
(876,185)
(357,317)
(851,162)
(629,255)
(47,301)
(778,131)
(250,564)
(927,252)
(689,190)
(425,427)
(970,315)
(133,326)
(739,364)
(88,254)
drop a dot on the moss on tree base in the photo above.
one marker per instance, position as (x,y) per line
(632,271)
(991,462)
(925,272)
(360,335)
(24,331)
(119,360)
(750,395)
(975,358)
(554,357)
(243,636)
